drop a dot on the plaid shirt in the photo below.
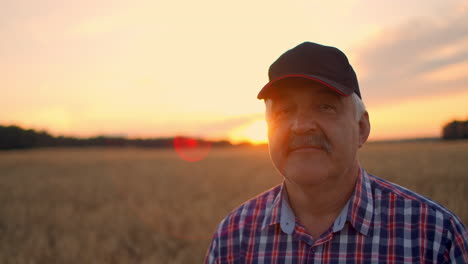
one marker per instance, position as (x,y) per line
(381,223)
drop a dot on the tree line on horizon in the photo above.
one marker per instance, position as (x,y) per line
(455,130)
(15,137)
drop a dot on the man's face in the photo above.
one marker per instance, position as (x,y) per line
(312,131)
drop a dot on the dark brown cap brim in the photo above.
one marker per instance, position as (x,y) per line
(337,87)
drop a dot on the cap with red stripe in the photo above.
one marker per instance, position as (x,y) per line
(323,64)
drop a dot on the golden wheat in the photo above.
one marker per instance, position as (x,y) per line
(150,206)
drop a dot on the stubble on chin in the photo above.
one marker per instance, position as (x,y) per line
(306,172)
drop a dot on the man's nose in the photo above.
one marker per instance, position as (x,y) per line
(303,123)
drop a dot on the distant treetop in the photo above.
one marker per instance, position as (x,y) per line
(455,130)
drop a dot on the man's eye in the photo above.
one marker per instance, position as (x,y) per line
(284,111)
(281,112)
(327,107)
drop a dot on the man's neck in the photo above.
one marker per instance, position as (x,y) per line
(317,206)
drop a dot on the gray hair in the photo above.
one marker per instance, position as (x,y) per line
(359,107)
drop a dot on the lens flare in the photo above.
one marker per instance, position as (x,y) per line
(190,149)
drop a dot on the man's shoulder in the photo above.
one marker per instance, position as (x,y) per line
(389,194)
(251,213)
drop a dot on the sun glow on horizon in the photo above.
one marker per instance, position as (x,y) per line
(254,132)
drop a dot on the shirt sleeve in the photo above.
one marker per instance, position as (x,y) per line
(458,251)
(211,256)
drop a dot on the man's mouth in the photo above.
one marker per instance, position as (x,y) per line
(306,149)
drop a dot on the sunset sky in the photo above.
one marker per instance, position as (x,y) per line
(163,68)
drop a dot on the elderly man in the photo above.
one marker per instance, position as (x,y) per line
(328,208)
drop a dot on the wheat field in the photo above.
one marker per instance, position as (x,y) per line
(98,205)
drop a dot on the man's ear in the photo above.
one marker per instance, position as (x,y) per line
(364,129)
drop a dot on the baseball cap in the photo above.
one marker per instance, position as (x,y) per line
(324,64)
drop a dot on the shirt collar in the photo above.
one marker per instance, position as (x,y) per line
(361,211)
(358,211)
(273,210)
